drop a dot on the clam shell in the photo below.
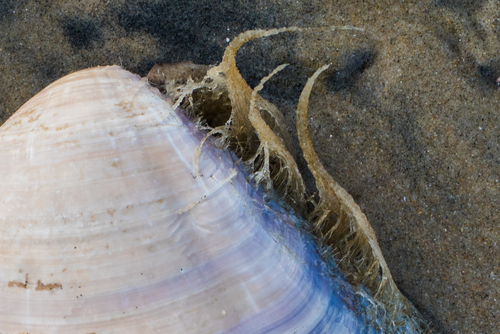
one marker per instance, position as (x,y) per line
(106,226)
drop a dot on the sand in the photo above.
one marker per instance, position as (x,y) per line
(406,119)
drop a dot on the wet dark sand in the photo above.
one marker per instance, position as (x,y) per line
(407,118)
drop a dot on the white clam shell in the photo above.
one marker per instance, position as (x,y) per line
(105,227)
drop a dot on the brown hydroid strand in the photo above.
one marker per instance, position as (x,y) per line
(342,225)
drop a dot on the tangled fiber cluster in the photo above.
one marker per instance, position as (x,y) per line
(239,118)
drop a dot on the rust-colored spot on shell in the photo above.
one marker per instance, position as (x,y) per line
(40,286)
(15,284)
